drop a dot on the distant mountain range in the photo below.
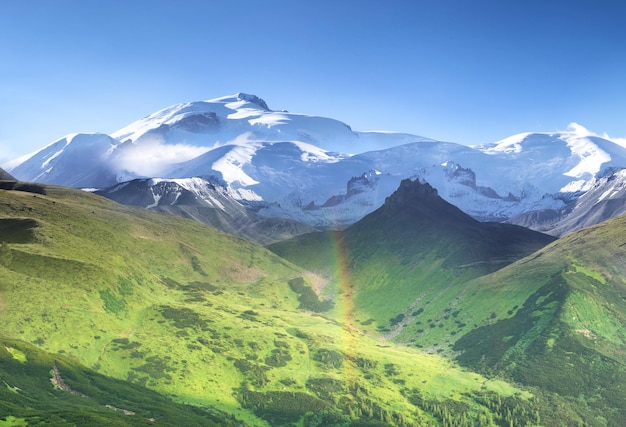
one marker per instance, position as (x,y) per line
(232,162)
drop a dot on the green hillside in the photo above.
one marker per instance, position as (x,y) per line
(406,264)
(417,315)
(568,335)
(421,275)
(39,388)
(206,320)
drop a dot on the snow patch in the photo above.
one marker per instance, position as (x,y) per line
(231,164)
(607,194)
(269,120)
(576,186)
(591,156)
(512,144)
(156,198)
(52,157)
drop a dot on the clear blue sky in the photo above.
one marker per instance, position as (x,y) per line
(468,71)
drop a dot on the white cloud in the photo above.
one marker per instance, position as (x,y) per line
(7,153)
(151,158)
(581,131)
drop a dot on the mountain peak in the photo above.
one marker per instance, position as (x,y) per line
(417,204)
(253,99)
(410,190)
(420,197)
(5,176)
(240,100)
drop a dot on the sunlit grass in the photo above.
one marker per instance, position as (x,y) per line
(216,322)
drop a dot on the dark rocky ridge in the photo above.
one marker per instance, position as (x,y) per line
(5,176)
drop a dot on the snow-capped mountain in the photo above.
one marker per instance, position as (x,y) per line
(154,192)
(318,170)
(76,160)
(606,198)
(206,200)
(234,125)
(222,120)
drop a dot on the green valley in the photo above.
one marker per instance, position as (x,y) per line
(118,316)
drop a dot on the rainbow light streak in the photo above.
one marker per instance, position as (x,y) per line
(346,307)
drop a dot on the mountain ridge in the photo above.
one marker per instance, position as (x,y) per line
(296,163)
(551,318)
(208,201)
(417,241)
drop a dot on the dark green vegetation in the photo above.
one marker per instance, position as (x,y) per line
(169,320)
(568,335)
(39,388)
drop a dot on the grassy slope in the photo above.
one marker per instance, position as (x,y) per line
(407,264)
(206,319)
(553,320)
(28,393)
(567,334)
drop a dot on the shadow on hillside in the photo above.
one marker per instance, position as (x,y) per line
(22,186)
(18,230)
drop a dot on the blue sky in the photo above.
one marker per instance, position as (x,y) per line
(457,70)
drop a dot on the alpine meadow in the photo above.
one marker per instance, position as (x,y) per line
(114,315)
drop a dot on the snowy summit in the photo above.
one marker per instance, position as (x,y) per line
(319,171)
